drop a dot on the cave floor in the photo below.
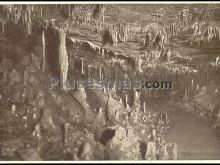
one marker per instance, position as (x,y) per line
(194,138)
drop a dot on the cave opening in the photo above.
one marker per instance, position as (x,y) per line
(143,149)
(107,135)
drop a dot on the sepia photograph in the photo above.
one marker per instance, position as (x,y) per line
(96,81)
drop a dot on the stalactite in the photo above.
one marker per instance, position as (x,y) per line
(3,26)
(29,25)
(69,10)
(17,12)
(41,12)
(43,48)
(63,58)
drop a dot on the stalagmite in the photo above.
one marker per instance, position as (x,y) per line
(126,101)
(165,154)
(120,101)
(82,67)
(66,128)
(37,131)
(24,117)
(168,55)
(114,88)
(216,61)
(149,114)
(104,90)
(100,73)
(151,151)
(32,58)
(13,109)
(43,47)
(103,52)
(136,95)
(100,119)
(63,59)
(192,84)
(197,87)
(140,62)
(34,116)
(144,107)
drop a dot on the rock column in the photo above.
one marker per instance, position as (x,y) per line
(63,59)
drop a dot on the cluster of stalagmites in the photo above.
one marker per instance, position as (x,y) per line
(191,85)
(29,119)
(135,124)
(116,33)
(204,33)
(162,59)
(155,36)
(51,118)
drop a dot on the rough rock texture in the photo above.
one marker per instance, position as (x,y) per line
(29,154)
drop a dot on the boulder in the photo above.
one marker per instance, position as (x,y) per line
(47,120)
(80,95)
(29,154)
(151,151)
(87,152)
(100,120)
(37,62)
(25,61)
(114,107)
(125,144)
(39,99)
(4,78)
(17,95)
(6,65)
(15,77)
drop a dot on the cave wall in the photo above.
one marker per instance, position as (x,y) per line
(52,51)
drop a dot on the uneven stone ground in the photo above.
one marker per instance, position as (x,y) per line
(195,139)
